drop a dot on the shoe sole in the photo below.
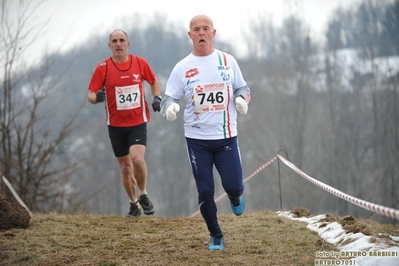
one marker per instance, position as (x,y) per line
(147,212)
(212,249)
(132,216)
(243,208)
(150,212)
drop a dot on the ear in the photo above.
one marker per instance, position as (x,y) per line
(189,35)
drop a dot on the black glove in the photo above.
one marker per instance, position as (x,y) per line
(156,104)
(100,95)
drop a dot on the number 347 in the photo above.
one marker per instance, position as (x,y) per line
(131,97)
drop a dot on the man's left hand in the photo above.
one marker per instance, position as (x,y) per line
(156,104)
(241,105)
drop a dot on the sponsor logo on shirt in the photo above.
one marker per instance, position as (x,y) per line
(136,78)
(191,81)
(191,73)
(225,76)
(227,68)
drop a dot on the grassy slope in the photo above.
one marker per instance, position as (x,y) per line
(255,238)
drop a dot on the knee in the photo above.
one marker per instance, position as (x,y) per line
(126,169)
(138,162)
(206,194)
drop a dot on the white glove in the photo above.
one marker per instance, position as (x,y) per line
(241,105)
(171,111)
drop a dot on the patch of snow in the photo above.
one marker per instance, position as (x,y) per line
(353,248)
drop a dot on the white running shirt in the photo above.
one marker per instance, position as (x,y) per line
(208,84)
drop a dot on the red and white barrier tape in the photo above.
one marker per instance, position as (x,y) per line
(382,210)
(389,212)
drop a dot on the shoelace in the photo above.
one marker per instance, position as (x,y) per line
(216,241)
(235,201)
(144,201)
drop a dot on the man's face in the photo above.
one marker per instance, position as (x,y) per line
(119,44)
(202,33)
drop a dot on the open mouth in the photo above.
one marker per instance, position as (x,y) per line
(201,41)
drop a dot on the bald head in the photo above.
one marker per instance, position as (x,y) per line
(203,19)
(202,33)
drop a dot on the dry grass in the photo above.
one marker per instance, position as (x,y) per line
(255,238)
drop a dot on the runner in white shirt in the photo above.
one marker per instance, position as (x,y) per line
(214,90)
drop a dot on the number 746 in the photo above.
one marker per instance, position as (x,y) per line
(212,97)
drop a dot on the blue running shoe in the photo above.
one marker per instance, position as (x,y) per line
(238,206)
(217,242)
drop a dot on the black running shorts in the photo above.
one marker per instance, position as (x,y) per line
(124,137)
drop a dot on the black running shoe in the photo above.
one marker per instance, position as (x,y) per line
(146,204)
(134,210)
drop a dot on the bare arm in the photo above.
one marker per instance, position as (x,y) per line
(156,88)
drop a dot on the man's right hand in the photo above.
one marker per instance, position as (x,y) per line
(171,111)
(100,95)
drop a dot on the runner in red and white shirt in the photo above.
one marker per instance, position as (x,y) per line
(118,81)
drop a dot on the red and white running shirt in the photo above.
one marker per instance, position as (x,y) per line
(125,103)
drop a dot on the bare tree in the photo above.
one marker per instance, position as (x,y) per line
(36,134)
